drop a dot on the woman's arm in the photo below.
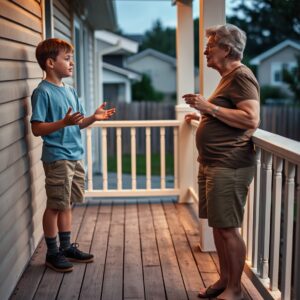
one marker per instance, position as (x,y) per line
(245,116)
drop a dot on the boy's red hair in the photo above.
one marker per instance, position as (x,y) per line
(50,48)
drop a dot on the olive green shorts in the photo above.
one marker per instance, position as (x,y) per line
(222,195)
(64,183)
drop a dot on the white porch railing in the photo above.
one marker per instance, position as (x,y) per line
(134,191)
(271,228)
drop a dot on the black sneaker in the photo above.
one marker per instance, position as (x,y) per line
(58,263)
(74,254)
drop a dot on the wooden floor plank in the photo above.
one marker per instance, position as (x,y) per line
(171,273)
(154,288)
(153,280)
(148,240)
(188,267)
(142,252)
(187,215)
(133,268)
(93,279)
(113,274)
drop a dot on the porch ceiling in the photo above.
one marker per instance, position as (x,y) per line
(100,14)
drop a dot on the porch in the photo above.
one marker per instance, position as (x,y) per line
(144,250)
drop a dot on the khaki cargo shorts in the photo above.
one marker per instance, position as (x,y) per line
(222,195)
(64,183)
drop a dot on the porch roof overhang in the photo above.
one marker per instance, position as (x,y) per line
(286,43)
(130,74)
(100,14)
(125,45)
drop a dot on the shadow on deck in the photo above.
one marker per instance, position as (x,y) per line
(142,251)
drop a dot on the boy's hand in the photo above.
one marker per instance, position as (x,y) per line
(72,119)
(102,114)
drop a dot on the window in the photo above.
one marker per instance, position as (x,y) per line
(49,29)
(78,56)
(276,71)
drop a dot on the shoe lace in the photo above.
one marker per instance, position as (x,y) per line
(74,247)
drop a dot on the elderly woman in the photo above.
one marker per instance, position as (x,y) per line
(226,154)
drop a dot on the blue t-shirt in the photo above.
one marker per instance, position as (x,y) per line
(50,103)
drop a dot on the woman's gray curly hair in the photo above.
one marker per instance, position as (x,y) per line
(229,35)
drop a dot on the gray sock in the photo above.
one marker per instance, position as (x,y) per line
(52,248)
(64,239)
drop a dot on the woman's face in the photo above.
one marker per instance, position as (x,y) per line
(215,54)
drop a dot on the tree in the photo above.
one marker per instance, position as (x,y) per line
(144,90)
(266,22)
(160,39)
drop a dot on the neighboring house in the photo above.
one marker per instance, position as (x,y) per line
(116,78)
(117,83)
(23,24)
(161,68)
(271,63)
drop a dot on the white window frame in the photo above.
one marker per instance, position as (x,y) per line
(48,24)
(79,74)
(278,67)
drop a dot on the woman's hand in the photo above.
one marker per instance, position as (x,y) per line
(196,101)
(191,116)
(103,114)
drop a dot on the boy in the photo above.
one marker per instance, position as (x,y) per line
(57,116)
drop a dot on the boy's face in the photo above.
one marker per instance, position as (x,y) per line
(62,66)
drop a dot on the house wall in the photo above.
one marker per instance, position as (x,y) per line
(63,25)
(264,71)
(22,195)
(163,74)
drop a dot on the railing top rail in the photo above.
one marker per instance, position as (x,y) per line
(137,123)
(274,143)
(278,145)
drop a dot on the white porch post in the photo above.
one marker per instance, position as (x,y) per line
(212,12)
(185,84)
(127,91)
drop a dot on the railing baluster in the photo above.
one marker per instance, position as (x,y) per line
(175,132)
(89,158)
(276,211)
(249,225)
(256,208)
(148,158)
(297,240)
(119,159)
(289,193)
(133,158)
(104,158)
(162,158)
(265,204)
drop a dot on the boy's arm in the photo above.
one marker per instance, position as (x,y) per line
(45,128)
(99,115)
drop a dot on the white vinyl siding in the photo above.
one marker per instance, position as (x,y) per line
(22,194)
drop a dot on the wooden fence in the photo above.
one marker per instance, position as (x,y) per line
(142,111)
(282,120)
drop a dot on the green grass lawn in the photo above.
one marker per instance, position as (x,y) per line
(141,164)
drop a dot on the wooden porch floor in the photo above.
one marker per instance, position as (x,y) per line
(142,251)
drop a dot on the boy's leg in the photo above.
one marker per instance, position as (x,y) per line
(70,251)
(54,258)
(76,183)
(55,201)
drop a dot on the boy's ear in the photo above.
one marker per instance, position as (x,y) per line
(50,63)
